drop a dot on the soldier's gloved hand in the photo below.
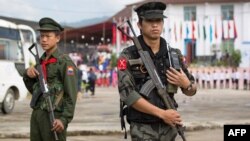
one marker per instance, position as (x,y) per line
(32,72)
(177,78)
(58,126)
(171,117)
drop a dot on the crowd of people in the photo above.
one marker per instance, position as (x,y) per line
(92,77)
(147,111)
(222,78)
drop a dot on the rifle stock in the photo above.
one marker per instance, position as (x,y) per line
(44,87)
(151,69)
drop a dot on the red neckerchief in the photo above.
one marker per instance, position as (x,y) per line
(44,63)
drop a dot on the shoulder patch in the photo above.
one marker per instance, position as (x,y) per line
(122,64)
(70,70)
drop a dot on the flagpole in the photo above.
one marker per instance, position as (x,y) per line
(204,35)
(118,38)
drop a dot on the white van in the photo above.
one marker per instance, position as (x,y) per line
(14,58)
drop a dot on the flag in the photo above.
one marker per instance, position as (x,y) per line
(211,33)
(228,27)
(125,30)
(204,32)
(187,31)
(222,30)
(198,27)
(215,29)
(114,32)
(119,37)
(175,36)
(181,31)
(235,31)
(193,29)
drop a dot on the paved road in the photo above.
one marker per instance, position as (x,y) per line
(209,109)
(202,135)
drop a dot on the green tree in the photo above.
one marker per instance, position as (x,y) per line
(235,58)
(113,60)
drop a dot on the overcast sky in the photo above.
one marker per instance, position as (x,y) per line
(61,10)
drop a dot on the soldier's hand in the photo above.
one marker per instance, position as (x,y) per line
(32,72)
(58,126)
(177,78)
(171,117)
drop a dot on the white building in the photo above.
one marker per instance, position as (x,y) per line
(205,29)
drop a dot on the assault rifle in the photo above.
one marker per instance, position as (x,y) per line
(44,86)
(155,80)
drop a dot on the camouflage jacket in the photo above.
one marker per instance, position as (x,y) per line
(61,78)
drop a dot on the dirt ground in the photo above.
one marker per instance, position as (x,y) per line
(202,135)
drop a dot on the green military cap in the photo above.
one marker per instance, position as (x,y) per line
(151,10)
(48,24)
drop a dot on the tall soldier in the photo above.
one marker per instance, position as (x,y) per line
(148,117)
(61,76)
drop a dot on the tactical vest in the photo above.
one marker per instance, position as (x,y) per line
(162,64)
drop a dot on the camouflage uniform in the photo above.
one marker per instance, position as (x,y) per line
(62,84)
(131,78)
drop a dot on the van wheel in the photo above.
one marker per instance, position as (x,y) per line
(9,102)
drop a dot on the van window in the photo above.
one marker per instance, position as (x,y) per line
(9,33)
(10,50)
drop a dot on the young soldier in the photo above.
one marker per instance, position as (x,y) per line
(248,80)
(203,79)
(61,76)
(227,78)
(237,78)
(91,81)
(245,79)
(148,117)
(215,77)
(233,77)
(197,78)
(208,79)
(222,77)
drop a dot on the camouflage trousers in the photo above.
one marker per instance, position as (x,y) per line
(152,132)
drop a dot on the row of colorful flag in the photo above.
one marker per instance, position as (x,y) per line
(225,29)
(211,30)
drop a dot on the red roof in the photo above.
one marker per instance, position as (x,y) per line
(97,31)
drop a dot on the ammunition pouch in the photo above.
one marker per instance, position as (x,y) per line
(39,99)
(56,91)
